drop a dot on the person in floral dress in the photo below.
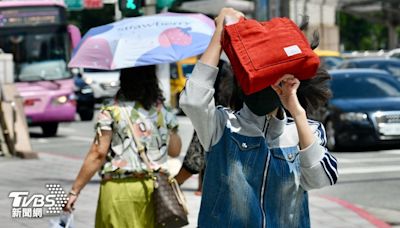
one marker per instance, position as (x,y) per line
(125,198)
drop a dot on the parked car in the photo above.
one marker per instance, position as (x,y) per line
(364,109)
(329,59)
(84,97)
(105,84)
(395,53)
(390,65)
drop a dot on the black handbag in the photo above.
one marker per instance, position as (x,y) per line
(169,201)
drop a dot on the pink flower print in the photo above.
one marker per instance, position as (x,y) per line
(142,129)
(159,107)
(119,163)
(104,115)
(175,36)
(155,166)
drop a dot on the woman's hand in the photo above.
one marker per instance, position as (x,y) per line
(286,88)
(69,207)
(229,14)
(213,52)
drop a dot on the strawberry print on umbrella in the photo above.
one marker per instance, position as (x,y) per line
(175,36)
(146,40)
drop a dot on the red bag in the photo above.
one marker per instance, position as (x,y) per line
(262,52)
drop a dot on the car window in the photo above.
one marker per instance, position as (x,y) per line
(394,69)
(44,70)
(346,65)
(173,71)
(390,67)
(361,86)
(331,61)
(187,69)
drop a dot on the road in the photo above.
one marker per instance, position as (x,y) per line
(368,179)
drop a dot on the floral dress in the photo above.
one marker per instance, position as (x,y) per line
(150,126)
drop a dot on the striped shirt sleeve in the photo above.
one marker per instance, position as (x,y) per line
(318,167)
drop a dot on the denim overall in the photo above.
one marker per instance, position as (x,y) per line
(247,184)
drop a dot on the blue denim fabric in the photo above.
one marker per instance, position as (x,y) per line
(242,174)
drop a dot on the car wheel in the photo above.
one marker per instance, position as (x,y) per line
(49,129)
(86,115)
(332,143)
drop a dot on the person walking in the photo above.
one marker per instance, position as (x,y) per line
(260,163)
(125,198)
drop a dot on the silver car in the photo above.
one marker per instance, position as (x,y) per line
(104,83)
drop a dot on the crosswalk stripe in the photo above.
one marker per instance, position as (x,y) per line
(79,138)
(67,130)
(74,138)
(360,170)
(362,160)
(391,152)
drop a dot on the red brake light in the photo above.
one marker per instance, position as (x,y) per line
(30,102)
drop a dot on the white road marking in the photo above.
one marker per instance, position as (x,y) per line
(361,170)
(67,130)
(362,160)
(81,138)
(42,140)
(73,138)
(391,152)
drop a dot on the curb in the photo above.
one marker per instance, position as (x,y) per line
(359,211)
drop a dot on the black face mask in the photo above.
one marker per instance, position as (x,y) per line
(263,102)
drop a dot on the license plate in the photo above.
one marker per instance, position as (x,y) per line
(390,129)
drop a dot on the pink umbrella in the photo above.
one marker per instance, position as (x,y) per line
(146,40)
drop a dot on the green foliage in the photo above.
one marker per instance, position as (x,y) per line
(359,34)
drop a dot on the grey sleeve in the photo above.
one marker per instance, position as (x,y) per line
(318,167)
(197,102)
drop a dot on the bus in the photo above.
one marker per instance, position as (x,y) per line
(37,34)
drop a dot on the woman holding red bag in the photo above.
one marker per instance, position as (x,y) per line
(260,163)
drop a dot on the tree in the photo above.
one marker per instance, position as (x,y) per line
(359,34)
(384,12)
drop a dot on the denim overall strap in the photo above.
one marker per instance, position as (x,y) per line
(286,202)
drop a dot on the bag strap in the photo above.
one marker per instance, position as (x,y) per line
(140,147)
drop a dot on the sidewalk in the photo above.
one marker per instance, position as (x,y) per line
(325,212)
(32,175)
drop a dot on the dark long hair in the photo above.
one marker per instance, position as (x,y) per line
(227,91)
(314,93)
(140,84)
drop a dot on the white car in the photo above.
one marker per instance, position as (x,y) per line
(105,84)
(395,53)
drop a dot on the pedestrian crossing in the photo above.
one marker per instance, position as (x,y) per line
(80,136)
(369,162)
